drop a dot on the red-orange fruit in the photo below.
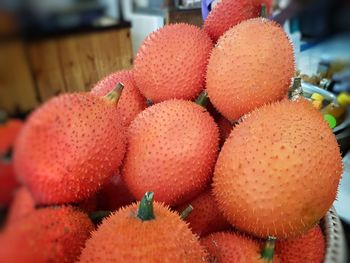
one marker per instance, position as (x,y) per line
(22,205)
(228,13)
(225,128)
(171,63)
(114,195)
(172,148)
(46,235)
(251,65)
(8,133)
(278,172)
(226,247)
(124,237)
(205,217)
(131,102)
(308,248)
(8,183)
(69,147)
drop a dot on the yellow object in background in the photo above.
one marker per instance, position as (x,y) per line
(317,100)
(338,110)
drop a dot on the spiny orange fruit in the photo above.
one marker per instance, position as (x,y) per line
(114,194)
(145,233)
(225,128)
(46,235)
(131,103)
(171,63)
(172,148)
(308,248)
(8,133)
(8,183)
(251,65)
(226,247)
(228,13)
(278,172)
(205,217)
(69,147)
(22,205)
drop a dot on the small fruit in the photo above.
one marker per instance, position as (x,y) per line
(171,63)
(226,247)
(307,248)
(228,13)
(143,233)
(172,148)
(251,65)
(70,146)
(131,103)
(278,172)
(114,194)
(46,235)
(8,183)
(22,205)
(205,217)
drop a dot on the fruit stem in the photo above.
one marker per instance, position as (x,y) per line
(268,250)
(202,99)
(186,212)
(295,91)
(114,95)
(97,216)
(263,11)
(145,211)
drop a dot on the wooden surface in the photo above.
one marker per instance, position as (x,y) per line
(36,70)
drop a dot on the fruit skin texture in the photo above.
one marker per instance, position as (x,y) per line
(251,65)
(131,102)
(227,247)
(8,183)
(114,194)
(8,134)
(22,205)
(309,248)
(69,147)
(171,63)
(205,217)
(172,149)
(278,172)
(123,237)
(46,235)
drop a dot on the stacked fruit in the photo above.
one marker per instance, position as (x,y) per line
(274,178)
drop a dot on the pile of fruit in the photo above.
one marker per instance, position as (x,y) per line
(166,177)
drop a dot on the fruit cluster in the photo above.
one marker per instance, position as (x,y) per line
(258,170)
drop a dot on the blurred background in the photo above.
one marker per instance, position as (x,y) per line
(48,47)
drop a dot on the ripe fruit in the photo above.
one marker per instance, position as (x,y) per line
(22,205)
(46,235)
(278,172)
(172,148)
(114,194)
(228,13)
(145,234)
(69,147)
(8,133)
(205,217)
(8,183)
(226,247)
(171,63)
(307,248)
(251,65)
(131,103)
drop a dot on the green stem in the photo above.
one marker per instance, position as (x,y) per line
(97,216)
(202,99)
(186,212)
(114,95)
(269,250)
(145,211)
(263,11)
